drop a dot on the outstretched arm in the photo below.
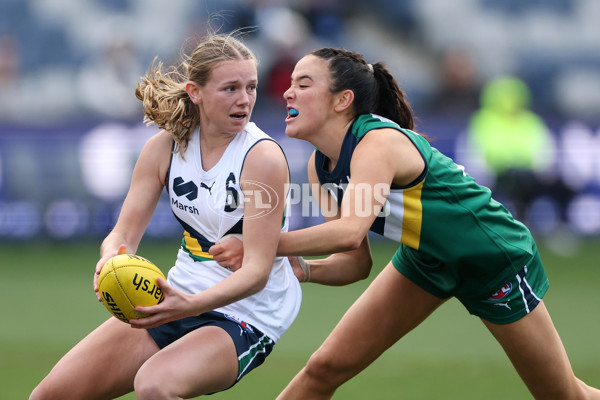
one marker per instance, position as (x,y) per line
(147,182)
(382,158)
(340,268)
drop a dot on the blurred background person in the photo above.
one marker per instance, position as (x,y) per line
(458,86)
(516,145)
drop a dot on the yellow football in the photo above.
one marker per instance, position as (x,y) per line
(127,281)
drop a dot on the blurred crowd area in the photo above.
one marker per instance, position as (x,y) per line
(68,70)
(63,61)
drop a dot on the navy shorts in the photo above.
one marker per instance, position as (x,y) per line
(251,344)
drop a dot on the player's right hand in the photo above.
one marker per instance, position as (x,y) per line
(105,257)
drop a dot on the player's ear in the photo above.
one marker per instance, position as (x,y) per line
(343,100)
(193,90)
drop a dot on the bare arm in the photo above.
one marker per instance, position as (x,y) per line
(337,269)
(147,182)
(340,268)
(382,158)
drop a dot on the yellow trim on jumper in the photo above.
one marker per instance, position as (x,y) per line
(192,246)
(413,216)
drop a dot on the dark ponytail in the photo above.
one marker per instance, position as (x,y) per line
(391,102)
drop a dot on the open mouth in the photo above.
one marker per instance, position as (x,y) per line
(239,116)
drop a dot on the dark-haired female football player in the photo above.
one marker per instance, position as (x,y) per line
(454,239)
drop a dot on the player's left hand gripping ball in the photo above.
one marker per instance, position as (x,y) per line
(128,281)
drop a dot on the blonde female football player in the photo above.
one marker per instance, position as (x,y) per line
(454,239)
(214,325)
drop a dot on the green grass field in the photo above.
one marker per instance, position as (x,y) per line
(48,305)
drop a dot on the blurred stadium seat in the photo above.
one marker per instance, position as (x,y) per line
(68,68)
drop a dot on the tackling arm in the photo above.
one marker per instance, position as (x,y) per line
(340,268)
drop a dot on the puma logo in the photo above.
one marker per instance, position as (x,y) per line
(503,305)
(205,186)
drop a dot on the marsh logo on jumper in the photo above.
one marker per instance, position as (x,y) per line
(187,189)
(502,293)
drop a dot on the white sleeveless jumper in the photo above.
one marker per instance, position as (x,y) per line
(209,205)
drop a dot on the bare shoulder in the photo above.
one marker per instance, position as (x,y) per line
(395,152)
(266,154)
(267,164)
(160,141)
(157,153)
(158,147)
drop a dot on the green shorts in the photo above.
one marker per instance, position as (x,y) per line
(516,296)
